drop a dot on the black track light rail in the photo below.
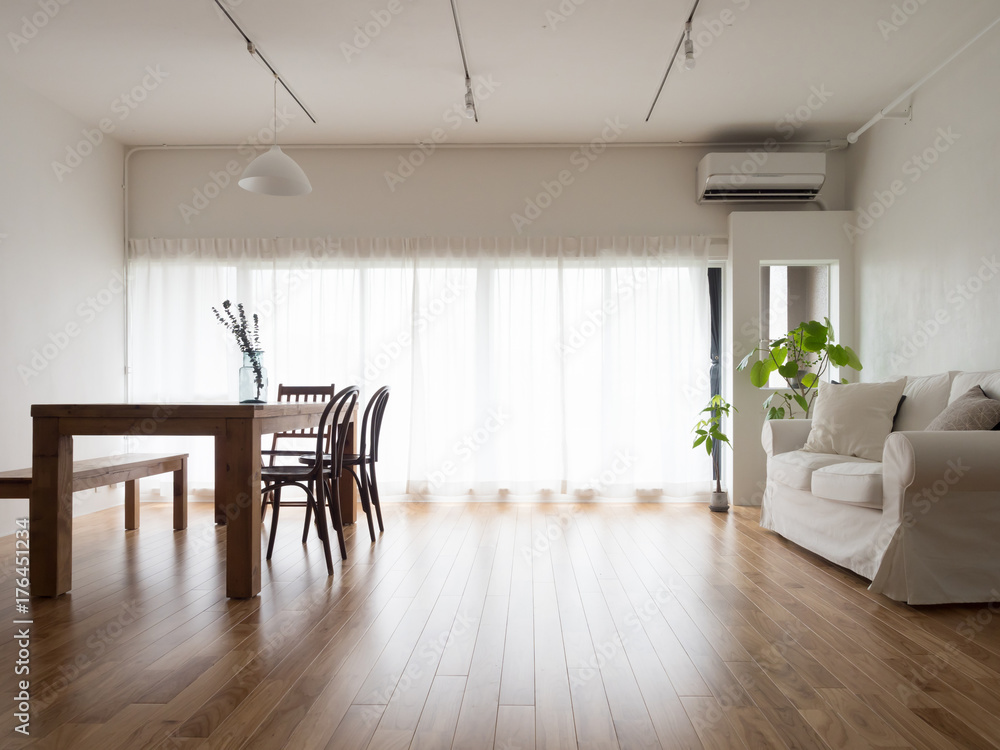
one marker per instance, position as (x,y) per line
(255,50)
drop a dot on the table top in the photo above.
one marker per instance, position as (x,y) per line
(178,411)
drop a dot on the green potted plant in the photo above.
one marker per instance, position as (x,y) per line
(708,432)
(802,356)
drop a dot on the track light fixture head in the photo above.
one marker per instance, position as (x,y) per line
(470,102)
(689,61)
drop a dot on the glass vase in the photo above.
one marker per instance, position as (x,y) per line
(253,379)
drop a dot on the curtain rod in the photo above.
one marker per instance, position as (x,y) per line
(828,145)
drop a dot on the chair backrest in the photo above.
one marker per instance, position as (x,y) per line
(302,394)
(371,425)
(338,416)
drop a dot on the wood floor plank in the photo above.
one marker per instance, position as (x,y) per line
(864,720)
(713,726)
(753,728)
(792,728)
(553,703)
(515,728)
(478,715)
(633,725)
(402,712)
(436,727)
(356,728)
(595,729)
(517,684)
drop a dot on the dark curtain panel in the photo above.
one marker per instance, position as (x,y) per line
(715,370)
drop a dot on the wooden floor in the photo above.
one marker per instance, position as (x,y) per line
(487,626)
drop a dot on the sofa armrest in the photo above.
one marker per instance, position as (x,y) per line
(784,435)
(932,465)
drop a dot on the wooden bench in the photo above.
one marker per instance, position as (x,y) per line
(127,468)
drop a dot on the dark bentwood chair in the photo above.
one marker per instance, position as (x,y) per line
(293,444)
(371,430)
(364,477)
(312,477)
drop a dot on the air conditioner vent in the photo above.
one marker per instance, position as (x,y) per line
(760,178)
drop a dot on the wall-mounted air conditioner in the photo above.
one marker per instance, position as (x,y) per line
(758,177)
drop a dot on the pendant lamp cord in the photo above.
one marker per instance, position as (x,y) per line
(274,112)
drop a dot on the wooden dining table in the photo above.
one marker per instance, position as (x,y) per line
(237,429)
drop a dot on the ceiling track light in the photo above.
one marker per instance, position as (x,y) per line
(688,48)
(254,50)
(470,100)
(689,62)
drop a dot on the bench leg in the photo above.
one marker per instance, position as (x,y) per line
(180,497)
(132,504)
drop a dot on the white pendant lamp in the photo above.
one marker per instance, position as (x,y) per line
(274,172)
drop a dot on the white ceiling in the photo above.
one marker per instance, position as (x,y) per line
(558,75)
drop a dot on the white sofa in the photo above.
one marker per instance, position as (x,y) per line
(923,524)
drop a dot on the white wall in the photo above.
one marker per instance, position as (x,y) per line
(928,279)
(776,238)
(61,246)
(455,192)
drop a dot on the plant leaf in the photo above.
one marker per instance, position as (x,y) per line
(809,380)
(788,370)
(837,355)
(801,401)
(852,359)
(759,373)
(815,329)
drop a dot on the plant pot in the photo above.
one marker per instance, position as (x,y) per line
(253,379)
(719,502)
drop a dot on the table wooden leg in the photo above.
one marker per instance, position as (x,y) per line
(132,504)
(51,509)
(348,490)
(241,453)
(181,496)
(220,482)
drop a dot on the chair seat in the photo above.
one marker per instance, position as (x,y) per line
(294,471)
(349,458)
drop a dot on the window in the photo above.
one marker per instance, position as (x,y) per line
(790,295)
(562,366)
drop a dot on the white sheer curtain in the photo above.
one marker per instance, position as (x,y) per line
(553,366)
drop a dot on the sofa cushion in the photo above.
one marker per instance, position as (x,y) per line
(990,381)
(973,410)
(795,468)
(854,482)
(854,420)
(926,397)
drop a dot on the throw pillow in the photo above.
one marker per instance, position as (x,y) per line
(973,410)
(927,397)
(853,419)
(963,381)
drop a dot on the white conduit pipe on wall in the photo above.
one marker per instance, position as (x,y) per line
(884,112)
